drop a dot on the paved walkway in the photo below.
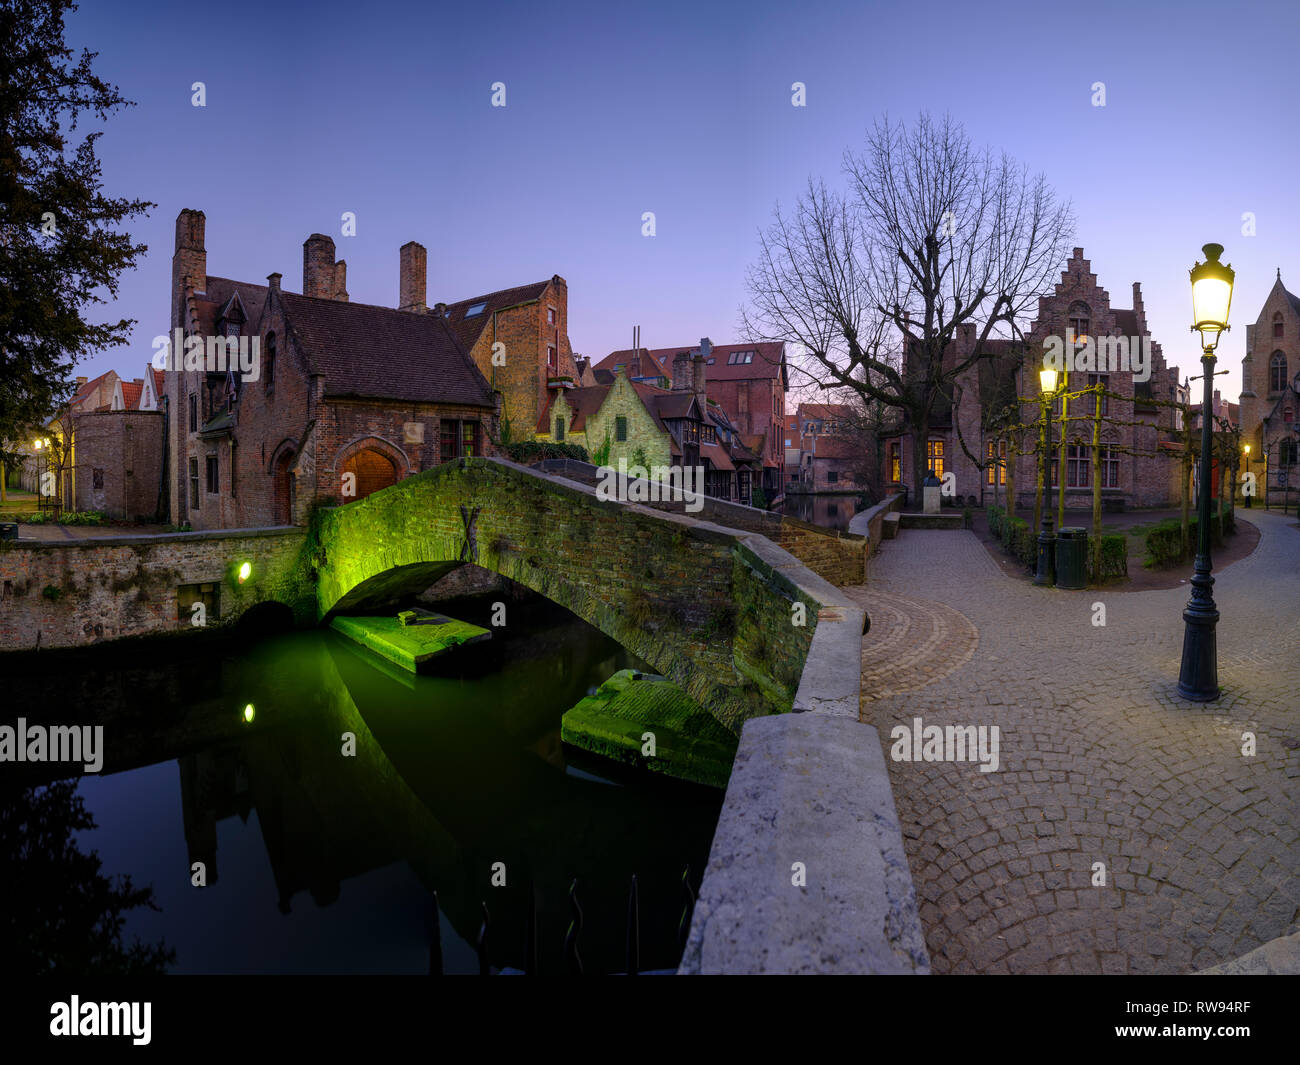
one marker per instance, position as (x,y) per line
(1101,761)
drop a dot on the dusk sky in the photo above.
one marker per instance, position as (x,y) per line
(683,109)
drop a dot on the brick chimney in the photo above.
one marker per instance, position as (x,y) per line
(699,373)
(322,277)
(190,259)
(682,372)
(412,278)
(273,282)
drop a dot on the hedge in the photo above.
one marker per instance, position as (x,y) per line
(1165,545)
(995,515)
(1114,555)
(529,451)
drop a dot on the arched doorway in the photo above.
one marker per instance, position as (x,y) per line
(372,470)
(282,489)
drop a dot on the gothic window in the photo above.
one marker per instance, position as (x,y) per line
(1080,322)
(934,453)
(620,428)
(559,429)
(998,468)
(1277,372)
(1104,379)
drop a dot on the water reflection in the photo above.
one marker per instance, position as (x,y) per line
(829,511)
(360,788)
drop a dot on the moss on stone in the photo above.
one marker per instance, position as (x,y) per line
(689,743)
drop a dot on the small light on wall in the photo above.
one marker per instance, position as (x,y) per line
(245,571)
(249,712)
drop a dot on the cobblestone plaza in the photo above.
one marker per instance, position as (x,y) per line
(1101,760)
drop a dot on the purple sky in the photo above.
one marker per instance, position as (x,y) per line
(683,110)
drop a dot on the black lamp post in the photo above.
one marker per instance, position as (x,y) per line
(1251,493)
(1046,538)
(1198,679)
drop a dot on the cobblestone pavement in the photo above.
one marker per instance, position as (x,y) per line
(1101,761)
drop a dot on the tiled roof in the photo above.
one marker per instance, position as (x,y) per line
(382,353)
(647,364)
(469,329)
(158,383)
(208,305)
(834,447)
(131,391)
(582,401)
(769,361)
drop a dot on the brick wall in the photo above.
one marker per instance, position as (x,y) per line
(127,586)
(118,458)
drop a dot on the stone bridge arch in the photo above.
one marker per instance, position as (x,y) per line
(713,609)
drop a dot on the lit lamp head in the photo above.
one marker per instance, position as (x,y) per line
(1047,381)
(1247,449)
(244,572)
(1211,295)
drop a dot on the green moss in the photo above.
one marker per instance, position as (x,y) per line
(689,743)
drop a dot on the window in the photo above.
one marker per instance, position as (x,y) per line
(550,356)
(1277,372)
(232,329)
(559,428)
(457,439)
(550,315)
(934,455)
(1286,453)
(194,482)
(620,428)
(474,310)
(1080,321)
(1277,324)
(1078,466)
(212,474)
(787,441)
(268,370)
(740,358)
(194,412)
(896,462)
(97,479)
(1109,467)
(708,435)
(832,476)
(997,471)
(1104,379)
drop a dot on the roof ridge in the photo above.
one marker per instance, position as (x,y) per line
(509,288)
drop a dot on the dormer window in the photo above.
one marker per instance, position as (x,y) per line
(232,329)
(740,358)
(475,309)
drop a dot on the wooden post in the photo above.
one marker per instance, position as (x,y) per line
(1096,488)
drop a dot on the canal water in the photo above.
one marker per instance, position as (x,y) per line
(318,860)
(828,511)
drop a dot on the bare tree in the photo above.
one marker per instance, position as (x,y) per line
(869,286)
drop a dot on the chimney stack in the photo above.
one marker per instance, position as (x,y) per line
(698,372)
(682,372)
(413,278)
(322,277)
(273,282)
(189,259)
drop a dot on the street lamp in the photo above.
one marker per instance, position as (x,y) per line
(1198,679)
(1248,484)
(1046,538)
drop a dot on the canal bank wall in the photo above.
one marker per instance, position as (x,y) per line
(75,592)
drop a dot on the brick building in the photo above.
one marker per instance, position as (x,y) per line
(646,424)
(1270,400)
(749,381)
(343,399)
(1077,311)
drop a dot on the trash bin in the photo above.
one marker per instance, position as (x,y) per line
(1072,557)
(8,530)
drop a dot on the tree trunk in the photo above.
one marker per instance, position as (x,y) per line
(1011,479)
(1060,459)
(920,461)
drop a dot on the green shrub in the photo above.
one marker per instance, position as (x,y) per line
(1114,555)
(967,518)
(1023,544)
(758,498)
(600,457)
(84,517)
(1164,540)
(529,451)
(52,592)
(995,515)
